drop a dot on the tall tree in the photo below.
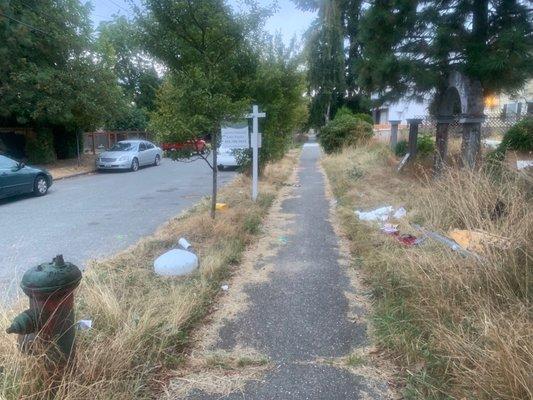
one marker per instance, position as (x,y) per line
(412,47)
(50,74)
(134,67)
(202,43)
(326,66)
(333,54)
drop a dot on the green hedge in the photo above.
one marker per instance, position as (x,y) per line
(344,130)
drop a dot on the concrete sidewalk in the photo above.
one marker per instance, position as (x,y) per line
(299,316)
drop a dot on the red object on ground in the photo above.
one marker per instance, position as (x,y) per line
(196,144)
(405,239)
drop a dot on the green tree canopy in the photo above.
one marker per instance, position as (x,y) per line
(135,69)
(50,73)
(412,46)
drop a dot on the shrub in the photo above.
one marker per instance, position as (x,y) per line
(362,116)
(401,148)
(425,146)
(40,149)
(344,130)
(519,137)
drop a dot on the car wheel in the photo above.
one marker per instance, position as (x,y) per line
(220,168)
(157,160)
(135,165)
(40,186)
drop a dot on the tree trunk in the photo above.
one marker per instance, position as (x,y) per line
(214,144)
(471,144)
(413,138)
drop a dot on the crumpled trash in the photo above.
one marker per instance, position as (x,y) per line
(524,164)
(399,213)
(184,243)
(225,288)
(221,206)
(84,324)
(476,240)
(405,239)
(381,214)
(389,228)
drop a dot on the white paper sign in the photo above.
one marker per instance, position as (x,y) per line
(234,138)
(237,138)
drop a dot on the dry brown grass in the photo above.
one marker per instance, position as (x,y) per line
(460,327)
(142,322)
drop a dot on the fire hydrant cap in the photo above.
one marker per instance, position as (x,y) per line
(51,277)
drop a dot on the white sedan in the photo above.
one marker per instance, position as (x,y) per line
(129,154)
(226,159)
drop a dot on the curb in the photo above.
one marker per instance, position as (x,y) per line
(74,175)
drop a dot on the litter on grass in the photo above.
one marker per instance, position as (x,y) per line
(477,240)
(176,262)
(405,239)
(221,206)
(381,214)
(389,228)
(84,324)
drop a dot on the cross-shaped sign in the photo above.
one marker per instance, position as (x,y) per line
(255,115)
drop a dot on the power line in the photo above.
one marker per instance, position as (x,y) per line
(25,24)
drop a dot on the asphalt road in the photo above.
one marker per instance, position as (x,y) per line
(96,215)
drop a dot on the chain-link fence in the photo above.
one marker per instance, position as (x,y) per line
(493,126)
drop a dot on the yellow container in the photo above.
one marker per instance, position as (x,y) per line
(221,206)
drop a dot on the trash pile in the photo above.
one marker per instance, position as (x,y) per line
(466,242)
(387,213)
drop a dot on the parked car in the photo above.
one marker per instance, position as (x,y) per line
(18,178)
(226,159)
(197,144)
(129,154)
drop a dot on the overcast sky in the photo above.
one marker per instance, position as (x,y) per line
(289,21)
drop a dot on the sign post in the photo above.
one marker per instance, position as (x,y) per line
(255,115)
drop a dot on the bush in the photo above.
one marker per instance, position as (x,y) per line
(362,116)
(40,149)
(425,146)
(344,130)
(519,137)
(401,148)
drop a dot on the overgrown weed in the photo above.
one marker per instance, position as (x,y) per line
(460,327)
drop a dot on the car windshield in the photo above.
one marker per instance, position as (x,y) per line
(7,162)
(124,146)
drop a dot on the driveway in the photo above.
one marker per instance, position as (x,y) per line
(96,215)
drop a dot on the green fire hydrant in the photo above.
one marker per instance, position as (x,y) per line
(49,322)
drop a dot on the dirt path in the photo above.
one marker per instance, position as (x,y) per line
(294,304)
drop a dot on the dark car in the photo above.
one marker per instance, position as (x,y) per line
(18,178)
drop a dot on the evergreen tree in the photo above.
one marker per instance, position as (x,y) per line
(411,47)
(414,47)
(326,64)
